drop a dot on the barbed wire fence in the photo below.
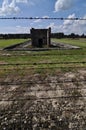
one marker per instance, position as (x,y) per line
(46,18)
(40,115)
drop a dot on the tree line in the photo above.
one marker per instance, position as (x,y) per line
(53,35)
(15,36)
(72,35)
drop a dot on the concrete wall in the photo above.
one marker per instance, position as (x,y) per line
(40,37)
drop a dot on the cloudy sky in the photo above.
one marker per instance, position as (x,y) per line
(43,8)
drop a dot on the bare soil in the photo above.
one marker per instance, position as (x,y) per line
(43,102)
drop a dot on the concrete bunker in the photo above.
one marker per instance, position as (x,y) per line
(40,37)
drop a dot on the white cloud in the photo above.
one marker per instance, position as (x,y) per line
(70,26)
(74,26)
(37,20)
(15,29)
(9,7)
(69,22)
(40,20)
(24,29)
(45,16)
(54,28)
(63,5)
(22,1)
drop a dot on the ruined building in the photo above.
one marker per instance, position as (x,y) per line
(40,37)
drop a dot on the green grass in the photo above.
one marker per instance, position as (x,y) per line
(35,61)
(8,42)
(81,42)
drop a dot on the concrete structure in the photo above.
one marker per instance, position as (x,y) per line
(40,37)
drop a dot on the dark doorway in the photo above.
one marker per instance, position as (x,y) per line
(40,42)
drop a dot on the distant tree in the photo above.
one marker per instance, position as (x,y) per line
(14,36)
(72,35)
(57,35)
(83,36)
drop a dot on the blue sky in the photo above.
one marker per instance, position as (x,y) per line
(43,8)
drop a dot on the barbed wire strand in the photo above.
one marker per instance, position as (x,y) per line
(44,111)
(46,90)
(42,82)
(49,67)
(42,18)
(34,55)
(43,98)
(39,63)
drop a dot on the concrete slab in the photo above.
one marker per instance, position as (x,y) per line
(27,46)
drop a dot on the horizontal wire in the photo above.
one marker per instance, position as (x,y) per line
(42,82)
(40,90)
(34,55)
(46,18)
(71,88)
(53,90)
(49,67)
(49,89)
(43,98)
(42,111)
(39,63)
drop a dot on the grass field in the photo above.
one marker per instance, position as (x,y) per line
(81,42)
(78,42)
(8,42)
(42,61)
(49,85)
